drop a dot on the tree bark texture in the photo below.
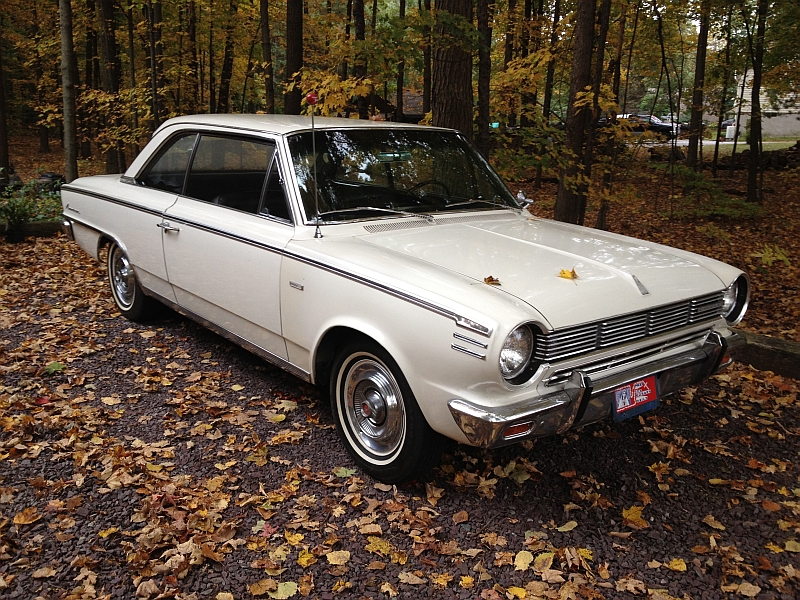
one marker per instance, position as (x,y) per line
(696,119)
(484,75)
(451,98)
(68,72)
(269,68)
(294,55)
(508,52)
(224,102)
(111,73)
(571,198)
(548,84)
(754,159)
(726,76)
(360,62)
(427,66)
(401,73)
(153,32)
(5,161)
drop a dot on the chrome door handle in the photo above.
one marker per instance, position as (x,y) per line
(167,227)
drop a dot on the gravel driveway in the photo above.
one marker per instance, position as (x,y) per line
(160,460)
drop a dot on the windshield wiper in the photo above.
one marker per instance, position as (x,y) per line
(478,201)
(391,211)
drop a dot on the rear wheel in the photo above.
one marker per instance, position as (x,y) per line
(378,417)
(125,290)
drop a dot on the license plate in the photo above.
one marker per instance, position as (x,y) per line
(635,398)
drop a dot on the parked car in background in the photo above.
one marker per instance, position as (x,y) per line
(390,265)
(641,123)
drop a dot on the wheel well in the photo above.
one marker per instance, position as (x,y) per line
(102,243)
(331,342)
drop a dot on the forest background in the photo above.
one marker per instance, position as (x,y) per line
(528,79)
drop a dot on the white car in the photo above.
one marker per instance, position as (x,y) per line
(390,265)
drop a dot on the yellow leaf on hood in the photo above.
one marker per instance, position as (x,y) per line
(564,274)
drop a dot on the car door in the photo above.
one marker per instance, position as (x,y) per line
(154,190)
(224,236)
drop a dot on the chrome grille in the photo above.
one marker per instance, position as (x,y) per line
(582,339)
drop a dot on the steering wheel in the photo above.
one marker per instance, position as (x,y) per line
(427,182)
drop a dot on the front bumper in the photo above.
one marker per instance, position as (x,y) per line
(583,400)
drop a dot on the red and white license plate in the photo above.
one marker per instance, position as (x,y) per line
(635,397)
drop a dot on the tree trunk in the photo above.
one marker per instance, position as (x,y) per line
(224,102)
(612,147)
(597,80)
(91,77)
(696,119)
(153,63)
(5,161)
(132,75)
(548,84)
(754,193)
(451,100)
(427,65)
(68,71)
(484,76)
(726,74)
(212,75)
(294,54)
(38,69)
(343,67)
(508,54)
(115,155)
(193,79)
(269,69)
(360,62)
(571,199)
(401,72)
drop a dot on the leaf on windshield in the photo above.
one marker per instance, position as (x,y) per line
(491,280)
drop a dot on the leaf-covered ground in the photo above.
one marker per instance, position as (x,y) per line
(161,461)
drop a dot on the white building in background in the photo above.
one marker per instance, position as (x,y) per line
(782,120)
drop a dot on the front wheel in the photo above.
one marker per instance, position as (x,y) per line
(377,416)
(125,290)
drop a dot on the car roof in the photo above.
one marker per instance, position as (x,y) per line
(284,124)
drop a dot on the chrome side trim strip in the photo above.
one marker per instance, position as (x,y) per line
(236,339)
(460,320)
(469,340)
(77,190)
(468,351)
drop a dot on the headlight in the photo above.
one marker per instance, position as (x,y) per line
(735,300)
(516,352)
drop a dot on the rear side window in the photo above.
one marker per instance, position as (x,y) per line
(230,171)
(168,171)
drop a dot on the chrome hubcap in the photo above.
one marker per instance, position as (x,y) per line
(122,278)
(374,407)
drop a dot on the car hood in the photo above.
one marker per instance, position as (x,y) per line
(615,274)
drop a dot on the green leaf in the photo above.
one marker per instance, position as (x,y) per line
(343,472)
(54,367)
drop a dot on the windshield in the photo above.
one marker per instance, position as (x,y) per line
(380,173)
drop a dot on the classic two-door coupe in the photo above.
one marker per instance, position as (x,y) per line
(390,265)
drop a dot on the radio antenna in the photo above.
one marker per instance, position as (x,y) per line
(312,99)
